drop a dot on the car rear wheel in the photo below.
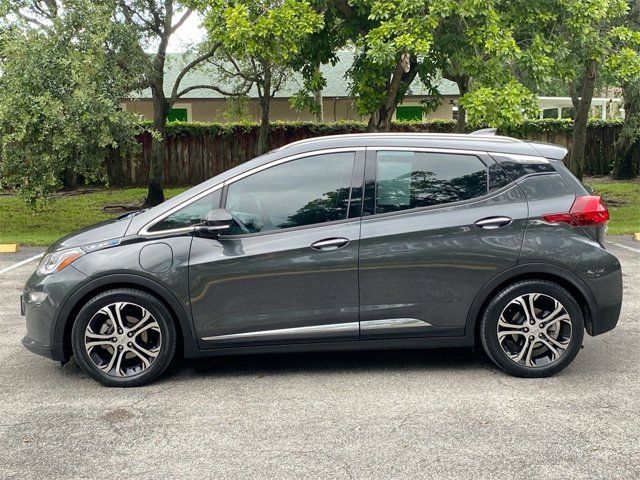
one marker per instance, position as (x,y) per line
(532,328)
(124,338)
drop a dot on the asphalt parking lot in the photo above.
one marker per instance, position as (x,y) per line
(403,414)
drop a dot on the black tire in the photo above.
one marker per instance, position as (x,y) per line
(506,297)
(135,298)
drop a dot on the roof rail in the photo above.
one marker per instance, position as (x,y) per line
(460,136)
(485,131)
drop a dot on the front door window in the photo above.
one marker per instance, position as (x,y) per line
(306,191)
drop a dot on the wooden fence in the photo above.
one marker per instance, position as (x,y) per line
(196,154)
(600,152)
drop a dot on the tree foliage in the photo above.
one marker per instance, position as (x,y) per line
(259,42)
(60,90)
(400,42)
(393,42)
(476,48)
(66,64)
(501,105)
(578,41)
(155,22)
(625,167)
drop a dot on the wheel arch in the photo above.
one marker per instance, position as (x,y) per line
(186,342)
(532,271)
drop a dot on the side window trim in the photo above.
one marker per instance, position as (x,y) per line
(369,201)
(291,229)
(356,194)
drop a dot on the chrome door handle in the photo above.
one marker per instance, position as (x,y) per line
(330,244)
(491,223)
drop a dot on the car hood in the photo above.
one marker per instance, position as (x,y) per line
(99,232)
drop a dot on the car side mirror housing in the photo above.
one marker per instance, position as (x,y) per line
(217,222)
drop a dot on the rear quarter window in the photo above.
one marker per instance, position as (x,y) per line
(545,187)
(568,177)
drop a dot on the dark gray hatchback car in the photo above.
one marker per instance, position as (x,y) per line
(344,242)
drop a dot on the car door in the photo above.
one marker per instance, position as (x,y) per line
(437,225)
(287,273)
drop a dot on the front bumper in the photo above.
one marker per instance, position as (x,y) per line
(41,303)
(55,352)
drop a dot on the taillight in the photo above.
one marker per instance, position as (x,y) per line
(586,211)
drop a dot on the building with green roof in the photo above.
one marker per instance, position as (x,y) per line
(206,105)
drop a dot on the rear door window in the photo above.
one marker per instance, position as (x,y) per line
(407,180)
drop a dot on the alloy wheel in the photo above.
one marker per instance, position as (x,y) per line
(534,330)
(123,339)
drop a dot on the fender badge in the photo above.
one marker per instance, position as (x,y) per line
(100,245)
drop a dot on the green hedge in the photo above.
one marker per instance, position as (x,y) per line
(197,129)
(554,125)
(546,125)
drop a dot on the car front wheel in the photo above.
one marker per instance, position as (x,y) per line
(533,328)
(123,338)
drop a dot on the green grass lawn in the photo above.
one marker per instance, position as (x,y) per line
(18,224)
(623,200)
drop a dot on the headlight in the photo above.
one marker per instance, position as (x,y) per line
(54,262)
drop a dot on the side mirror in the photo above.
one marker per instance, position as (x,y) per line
(216,222)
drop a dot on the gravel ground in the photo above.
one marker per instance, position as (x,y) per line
(394,414)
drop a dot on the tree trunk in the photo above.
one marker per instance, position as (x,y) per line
(155,193)
(625,162)
(463,87)
(265,104)
(578,147)
(317,96)
(319,116)
(70,179)
(380,120)
(114,166)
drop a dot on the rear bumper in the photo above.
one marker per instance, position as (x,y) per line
(604,278)
(603,319)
